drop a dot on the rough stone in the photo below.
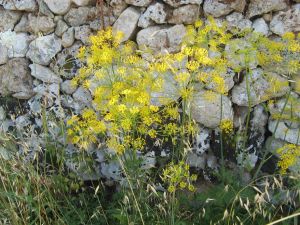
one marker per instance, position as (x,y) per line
(67,87)
(83,97)
(155,13)
(61,27)
(44,9)
(23,5)
(3,54)
(259,25)
(83,33)
(8,19)
(177,3)
(206,108)
(16,43)
(98,24)
(44,74)
(84,2)
(237,20)
(15,79)
(23,25)
(42,24)
(60,7)
(288,21)
(140,3)
(127,23)
(186,14)
(235,54)
(258,7)
(284,132)
(228,80)
(66,64)
(118,6)
(68,38)
(79,16)
(260,88)
(160,39)
(218,8)
(43,49)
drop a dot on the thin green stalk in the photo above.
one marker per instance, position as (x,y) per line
(263,160)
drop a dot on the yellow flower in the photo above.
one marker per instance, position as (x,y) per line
(226,126)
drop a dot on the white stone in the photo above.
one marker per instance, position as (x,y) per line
(67,87)
(283,132)
(186,14)
(127,23)
(61,27)
(8,19)
(259,25)
(82,96)
(21,5)
(154,13)
(161,39)
(23,25)
(60,7)
(68,38)
(237,20)
(43,49)
(260,88)
(140,3)
(16,43)
(288,21)
(41,24)
(207,110)
(118,6)
(82,15)
(83,33)
(44,74)
(258,7)
(3,54)
(177,3)
(217,8)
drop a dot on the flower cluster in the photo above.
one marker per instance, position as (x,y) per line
(178,177)
(226,126)
(289,156)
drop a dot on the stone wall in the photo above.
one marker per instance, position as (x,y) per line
(39,39)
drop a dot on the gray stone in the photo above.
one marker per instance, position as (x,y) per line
(42,24)
(43,9)
(16,43)
(66,64)
(8,19)
(84,2)
(258,7)
(288,21)
(44,74)
(15,79)
(67,87)
(60,7)
(79,16)
(237,20)
(284,132)
(82,97)
(21,5)
(196,161)
(118,6)
(98,24)
(61,27)
(202,141)
(218,8)
(186,14)
(154,13)
(177,3)
(43,49)
(140,3)
(127,23)
(83,33)
(261,88)
(23,25)
(3,54)
(161,39)
(260,26)
(228,80)
(68,38)
(235,54)
(206,108)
